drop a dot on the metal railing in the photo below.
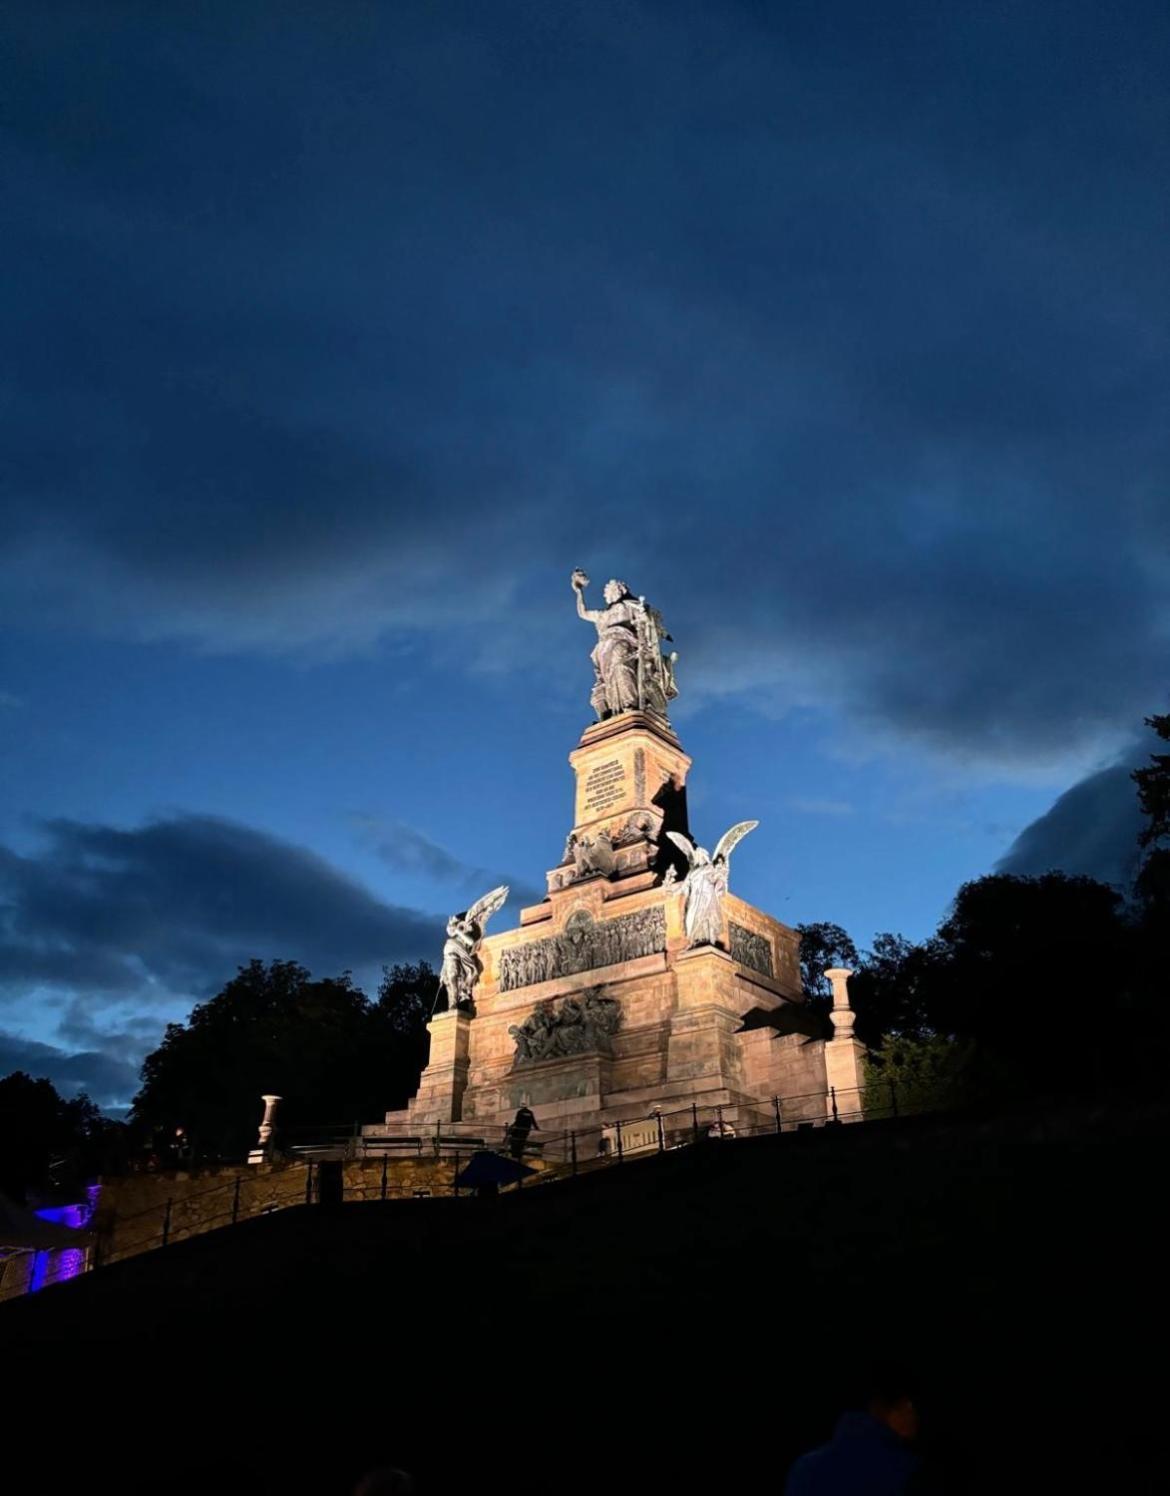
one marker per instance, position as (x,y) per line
(342,1164)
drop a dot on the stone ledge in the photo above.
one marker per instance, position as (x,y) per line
(613,727)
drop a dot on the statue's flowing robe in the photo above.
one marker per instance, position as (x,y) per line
(615,659)
(459,970)
(705,887)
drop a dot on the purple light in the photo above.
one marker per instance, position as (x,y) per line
(58,1264)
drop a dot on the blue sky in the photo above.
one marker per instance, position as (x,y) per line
(337,335)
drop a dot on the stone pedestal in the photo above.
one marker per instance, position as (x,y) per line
(443,1082)
(263,1150)
(703,1044)
(612,926)
(631,779)
(566,1092)
(844,1071)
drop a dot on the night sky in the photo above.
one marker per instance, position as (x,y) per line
(336,335)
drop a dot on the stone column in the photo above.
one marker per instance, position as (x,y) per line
(263,1150)
(443,1082)
(844,1075)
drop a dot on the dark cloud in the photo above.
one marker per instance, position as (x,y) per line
(408,851)
(106,1078)
(845,333)
(176,905)
(113,931)
(1092,829)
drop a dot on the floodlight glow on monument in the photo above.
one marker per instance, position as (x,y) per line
(623,993)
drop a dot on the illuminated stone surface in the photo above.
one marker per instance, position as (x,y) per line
(612,927)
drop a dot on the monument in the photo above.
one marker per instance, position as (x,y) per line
(623,993)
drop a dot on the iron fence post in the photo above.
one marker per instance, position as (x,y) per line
(779,1123)
(661,1132)
(166,1231)
(695,1119)
(385,1162)
(621,1155)
(833,1100)
(236,1201)
(309,1184)
(573,1151)
(719,1121)
(455,1180)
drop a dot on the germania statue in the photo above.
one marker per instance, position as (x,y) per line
(706,882)
(460,970)
(631,671)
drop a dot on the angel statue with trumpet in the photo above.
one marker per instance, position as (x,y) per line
(461,967)
(631,673)
(706,882)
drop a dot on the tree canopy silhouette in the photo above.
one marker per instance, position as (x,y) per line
(823,945)
(333,1055)
(1153,782)
(48,1144)
(1035,981)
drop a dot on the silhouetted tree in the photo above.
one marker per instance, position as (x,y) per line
(335,1057)
(893,991)
(406,996)
(823,945)
(50,1145)
(1031,986)
(1153,782)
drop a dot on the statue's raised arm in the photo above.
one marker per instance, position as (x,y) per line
(631,673)
(580,581)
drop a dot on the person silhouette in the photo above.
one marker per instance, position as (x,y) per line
(870,1453)
(522,1124)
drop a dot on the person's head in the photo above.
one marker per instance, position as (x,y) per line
(386,1482)
(615,591)
(889,1397)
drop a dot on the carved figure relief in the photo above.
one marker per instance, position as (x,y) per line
(580,1025)
(750,949)
(584,943)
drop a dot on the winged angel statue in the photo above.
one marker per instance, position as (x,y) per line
(706,882)
(461,968)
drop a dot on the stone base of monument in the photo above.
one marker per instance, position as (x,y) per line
(440,1092)
(602,975)
(569,1089)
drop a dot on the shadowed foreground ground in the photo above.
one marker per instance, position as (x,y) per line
(680,1323)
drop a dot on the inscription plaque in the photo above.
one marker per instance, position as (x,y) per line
(605,786)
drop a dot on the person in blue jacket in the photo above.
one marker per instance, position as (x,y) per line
(870,1453)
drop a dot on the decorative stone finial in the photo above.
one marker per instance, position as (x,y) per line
(263,1149)
(842,1016)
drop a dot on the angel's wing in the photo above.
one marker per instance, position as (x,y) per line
(731,839)
(685,847)
(483,909)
